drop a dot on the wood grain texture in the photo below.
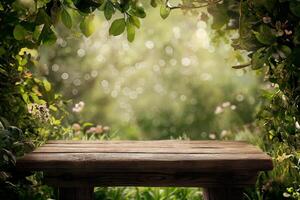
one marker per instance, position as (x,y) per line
(147,163)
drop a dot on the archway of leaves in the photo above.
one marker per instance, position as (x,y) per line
(269,30)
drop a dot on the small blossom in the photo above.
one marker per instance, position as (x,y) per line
(98,129)
(76,127)
(224,133)
(226,104)
(218,110)
(39,111)
(212,136)
(267,19)
(233,107)
(91,130)
(106,129)
(288,32)
(78,107)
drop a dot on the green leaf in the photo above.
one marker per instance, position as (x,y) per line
(139,12)
(153,3)
(109,10)
(87,26)
(66,18)
(259,59)
(47,36)
(117,27)
(19,32)
(130,31)
(1,7)
(164,11)
(47,85)
(295,8)
(37,32)
(135,21)
(266,35)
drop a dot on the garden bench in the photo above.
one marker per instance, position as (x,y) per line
(222,168)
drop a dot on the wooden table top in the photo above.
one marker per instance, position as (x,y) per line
(170,155)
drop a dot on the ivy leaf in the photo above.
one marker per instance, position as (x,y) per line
(1,7)
(265,35)
(47,85)
(66,18)
(109,10)
(19,32)
(164,11)
(117,27)
(47,36)
(153,3)
(37,32)
(259,59)
(135,21)
(130,31)
(87,26)
(139,12)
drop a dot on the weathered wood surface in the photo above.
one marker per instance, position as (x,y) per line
(84,164)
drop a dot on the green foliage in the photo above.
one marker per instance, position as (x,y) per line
(117,27)
(268,29)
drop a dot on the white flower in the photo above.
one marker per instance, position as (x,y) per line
(218,110)
(78,107)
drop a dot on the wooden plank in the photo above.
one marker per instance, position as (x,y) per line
(108,149)
(151,179)
(144,141)
(120,161)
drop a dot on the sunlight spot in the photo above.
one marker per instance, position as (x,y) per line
(61,42)
(173,61)
(74,91)
(133,95)
(186,61)
(55,67)
(169,50)
(81,52)
(233,107)
(162,62)
(77,82)
(114,94)
(104,83)
(176,32)
(126,91)
(226,104)
(206,77)
(87,77)
(218,110)
(239,97)
(65,76)
(149,44)
(182,97)
(94,73)
(100,58)
(212,136)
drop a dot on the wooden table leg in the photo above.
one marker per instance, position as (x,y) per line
(76,193)
(223,193)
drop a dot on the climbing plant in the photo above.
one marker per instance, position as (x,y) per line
(269,30)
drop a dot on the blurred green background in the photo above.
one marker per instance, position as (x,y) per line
(172,81)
